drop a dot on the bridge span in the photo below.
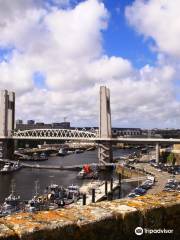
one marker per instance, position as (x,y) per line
(76,135)
(103,136)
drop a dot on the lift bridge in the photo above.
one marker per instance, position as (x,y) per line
(8,135)
(102,136)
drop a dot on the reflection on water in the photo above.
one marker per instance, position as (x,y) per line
(26,177)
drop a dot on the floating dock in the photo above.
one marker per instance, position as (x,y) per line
(100,189)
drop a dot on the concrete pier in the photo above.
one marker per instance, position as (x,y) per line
(103,188)
(105,147)
(8,149)
(7,122)
(157,153)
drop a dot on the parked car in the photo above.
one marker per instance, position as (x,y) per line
(132,195)
(146,186)
(139,191)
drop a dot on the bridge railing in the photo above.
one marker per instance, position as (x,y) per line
(56,133)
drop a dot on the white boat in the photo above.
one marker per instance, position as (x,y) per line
(9,167)
(88,172)
(73,192)
(43,156)
(12,204)
(81,174)
(62,152)
(37,203)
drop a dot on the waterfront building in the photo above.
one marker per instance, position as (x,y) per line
(30,122)
(126,132)
(63,125)
(41,125)
(117,132)
(168,133)
(19,121)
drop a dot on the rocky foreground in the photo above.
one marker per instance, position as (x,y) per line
(105,220)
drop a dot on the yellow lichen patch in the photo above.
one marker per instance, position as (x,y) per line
(14,221)
(149,202)
(46,216)
(25,226)
(137,204)
(78,212)
(22,222)
(91,213)
(113,206)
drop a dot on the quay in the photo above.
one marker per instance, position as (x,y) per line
(27,165)
(54,149)
(103,190)
(59,167)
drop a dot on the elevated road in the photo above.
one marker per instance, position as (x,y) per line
(147,140)
(97,139)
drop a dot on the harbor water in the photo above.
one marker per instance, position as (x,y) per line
(25,178)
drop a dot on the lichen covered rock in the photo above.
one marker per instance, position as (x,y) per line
(104,220)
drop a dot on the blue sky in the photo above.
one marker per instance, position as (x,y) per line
(5,53)
(55,56)
(120,39)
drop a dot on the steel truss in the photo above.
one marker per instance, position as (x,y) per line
(56,134)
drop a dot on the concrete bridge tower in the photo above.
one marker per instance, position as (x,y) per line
(105,148)
(7,122)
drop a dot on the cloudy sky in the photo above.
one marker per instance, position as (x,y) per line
(56,53)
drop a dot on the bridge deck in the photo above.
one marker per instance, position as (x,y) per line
(97,139)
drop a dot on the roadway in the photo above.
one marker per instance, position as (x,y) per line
(161,177)
(98,139)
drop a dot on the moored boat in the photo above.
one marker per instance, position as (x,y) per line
(62,152)
(38,202)
(12,203)
(10,167)
(43,156)
(39,157)
(73,192)
(88,173)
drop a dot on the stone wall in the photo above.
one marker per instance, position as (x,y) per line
(100,221)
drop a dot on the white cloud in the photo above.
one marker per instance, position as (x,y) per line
(16,74)
(66,45)
(107,68)
(146,99)
(158,19)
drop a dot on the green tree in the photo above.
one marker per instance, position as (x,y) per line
(171,158)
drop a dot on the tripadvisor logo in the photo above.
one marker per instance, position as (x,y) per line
(139,231)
